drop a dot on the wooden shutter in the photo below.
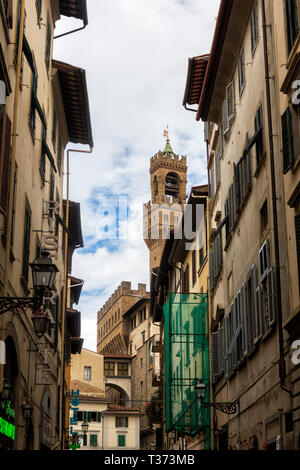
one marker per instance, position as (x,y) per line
(234,325)
(231,207)
(230,101)
(4,162)
(217,163)
(264,259)
(26,242)
(215,355)
(236,187)
(287,141)
(248,172)
(258,317)
(225,124)
(297,228)
(226,359)
(227,215)
(211,270)
(244,319)
(271,290)
(292,22)
(48,44)
(241,182)
(126,421)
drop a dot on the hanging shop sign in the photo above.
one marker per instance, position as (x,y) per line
(74,419)
(7,417)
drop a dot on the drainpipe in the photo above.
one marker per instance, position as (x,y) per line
(72,31)
(12,172)
(64,301)
(282,365)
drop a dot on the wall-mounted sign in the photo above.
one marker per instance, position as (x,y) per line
(7,415)
(74,419)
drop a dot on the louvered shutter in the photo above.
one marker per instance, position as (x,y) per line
(264,259)
(245,319)
(227,215)
(5,162)
(287,141)
(254,302)
(248,172)
(297,228)
(226,359)
(230,101)
(258,318)
(271,289)
(231,207)
(225,118)
(215,355)
(206,131)
(233,327)
(236,187)
(217,163)
(211,270)
(221,144)
(241,182)
(221,352)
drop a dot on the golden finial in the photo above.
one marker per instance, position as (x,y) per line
(166,134)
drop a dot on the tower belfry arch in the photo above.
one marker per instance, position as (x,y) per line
(168,179)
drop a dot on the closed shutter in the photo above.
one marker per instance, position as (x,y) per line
(248,172)
(245,319)
(126,422)
(271,296)
(254,29)
(231,207)
(51,195)
(297,228)
(5,162)
(121,440)
(287,141)
(85,416)
(264,259)
(292,22)
(89,416)
(48,44)
(215,355)
(217,162)
(227,216)
(230,101)
(226,359)
(236,187)
(206,131)
(211,270)
(241,182)
(221,143)
(99,414)
(26,242)
(59,155)
(233,328)
(258,317)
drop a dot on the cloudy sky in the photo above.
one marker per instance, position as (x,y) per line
(135,53)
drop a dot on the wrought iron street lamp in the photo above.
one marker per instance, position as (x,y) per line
(85,427)
(27,409)
(6,391)
(43,276)
(229,407)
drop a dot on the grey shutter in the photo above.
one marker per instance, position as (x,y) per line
(271,296)
(264,259)
(233,328)
(257,333)
(211,269)
(241,182)
(226,359)
(230,101)
(225,118)
(236,187)
(287,141)
(227,215)
(221,146)
(231,207)
(221,350)
(215,355)
(248,172)
(217,163)
(206,131)
(245,319)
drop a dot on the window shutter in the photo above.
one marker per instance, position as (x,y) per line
(206,131)
(221,143)
(217,163)
(26,243)
(230,101)
(234,323)
(85,416)
(236,187)
(211,271)
(227,214)
(88,416)
(225,125)
(4,162)
(244,319)
(126,422)
(271,286)
(99,416)
(226,359)
(258,329)
(264,259)
(248,172)
(292,22)
(287,141)
(240,182)
(221,350)
(297,228)
(231,207)
(215,355)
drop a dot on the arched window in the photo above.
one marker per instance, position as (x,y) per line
(172,185)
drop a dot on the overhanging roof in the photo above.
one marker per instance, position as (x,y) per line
(74,8)
(195,78)
(76,103)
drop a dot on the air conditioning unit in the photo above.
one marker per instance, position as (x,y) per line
(2,96)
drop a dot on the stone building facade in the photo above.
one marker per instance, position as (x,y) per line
(37,118)
(252,154)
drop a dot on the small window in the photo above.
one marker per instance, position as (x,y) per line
(109,368)
(121,421)
(123,369)
(254,29)
(264,216)
(87,373)
(241,72)
(292,23)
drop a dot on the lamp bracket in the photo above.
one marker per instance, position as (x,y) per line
(10,303)
(229,407)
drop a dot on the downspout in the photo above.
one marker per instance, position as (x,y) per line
(70,32)
(64,300)
(12,171)
(282,365)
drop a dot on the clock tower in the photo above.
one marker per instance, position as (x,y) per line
(168,179)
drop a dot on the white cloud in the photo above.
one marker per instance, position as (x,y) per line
(135,54)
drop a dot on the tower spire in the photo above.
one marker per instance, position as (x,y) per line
(168,148)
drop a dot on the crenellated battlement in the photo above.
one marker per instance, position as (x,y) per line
(168,160)
(123,289)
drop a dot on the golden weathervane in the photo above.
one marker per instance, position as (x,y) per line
(166,134)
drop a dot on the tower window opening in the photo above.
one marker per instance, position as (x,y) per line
(172,185)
